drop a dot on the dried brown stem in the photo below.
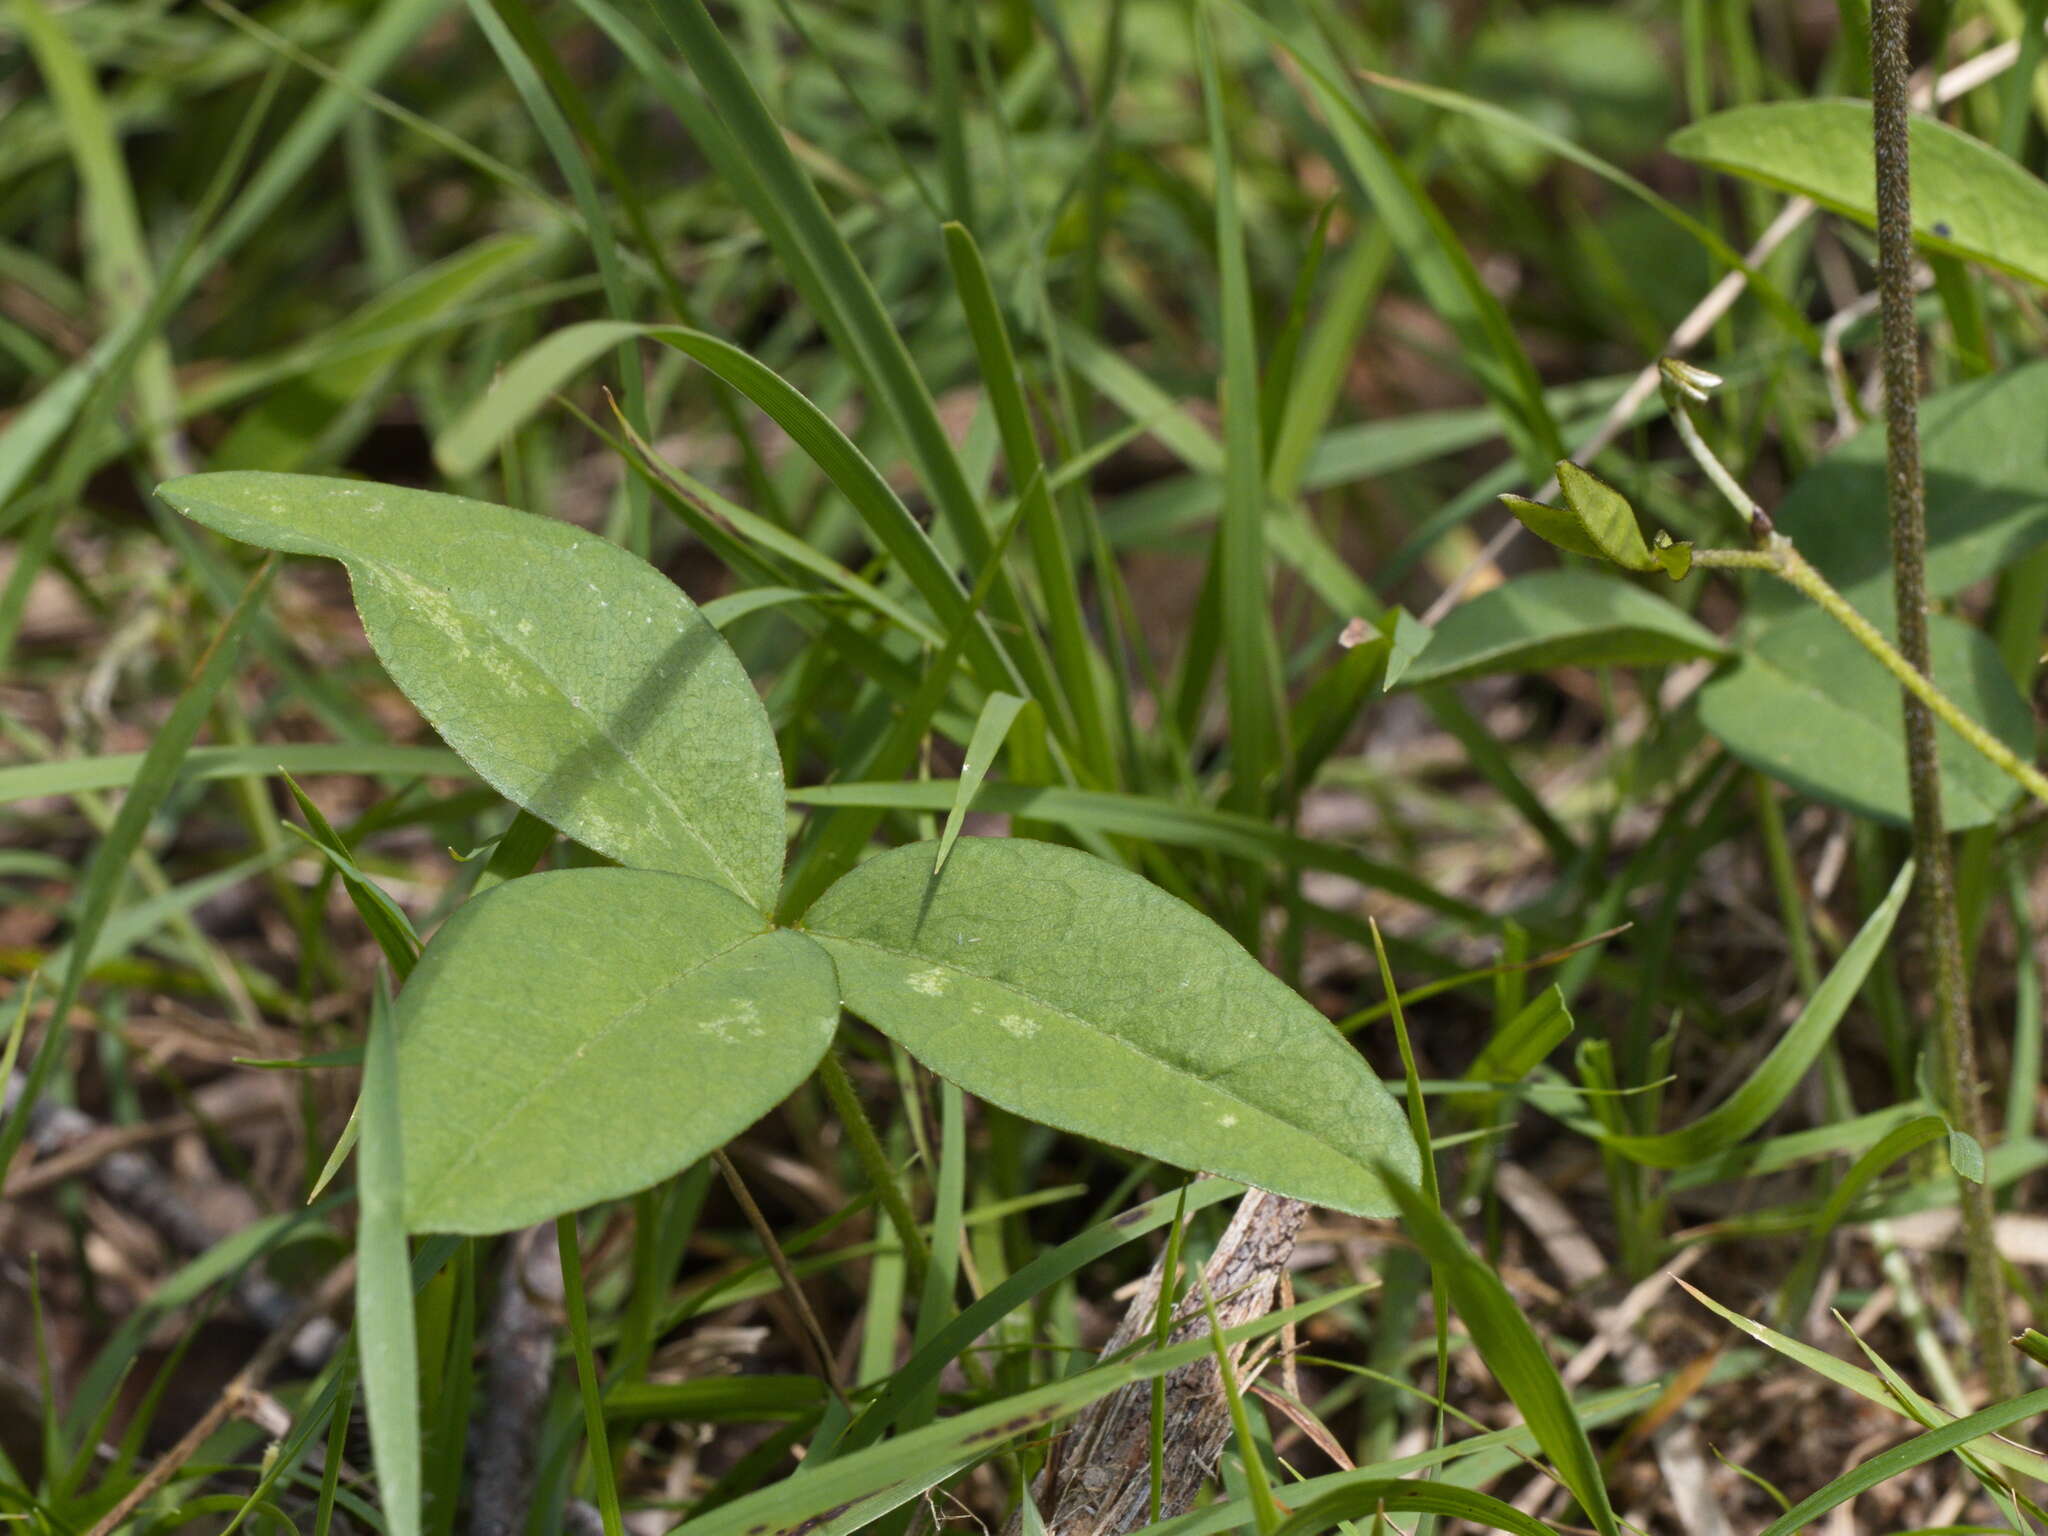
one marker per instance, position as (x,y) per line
(1098,1481)
(519,1365)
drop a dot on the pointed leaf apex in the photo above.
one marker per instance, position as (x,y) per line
(1553,525)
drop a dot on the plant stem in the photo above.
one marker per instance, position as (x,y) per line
(874,1162)
(1889,21)
(1780,559)
(1689,433)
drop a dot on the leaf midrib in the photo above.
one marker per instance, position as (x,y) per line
(1094,1029)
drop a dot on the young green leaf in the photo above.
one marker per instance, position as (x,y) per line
(575,1036)
(1968,199)
(1559,619)
(1078,994)
(1809,706)
(1407,638)
(1605,515)
(576,679)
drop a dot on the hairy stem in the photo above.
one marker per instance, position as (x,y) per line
(874,1162)
(1889,21)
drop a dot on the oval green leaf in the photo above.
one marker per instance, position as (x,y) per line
(575,678)
(1605,514)
(1078,994)
(1968,199)
(576,1036)
(1809,706)
(1559,619)
(1986,459)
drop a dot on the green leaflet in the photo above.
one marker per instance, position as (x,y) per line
(575,1036)
(1809,706)
(1968,199)
(1080,995)
(576,679)
(1986,461)
(1558,619)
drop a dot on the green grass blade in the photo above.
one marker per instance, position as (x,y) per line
(1073,650)
(597,1444)
(1895,1144)
(1779,1073)
(762,169)
(833,843)
(786,1507)
(117,254)
(385,919)
(881,509)
(1384,1496)
(376,46)
(1203,827)
(121,770)
(1251,668)
(1441,267)
(384,1289)
(1033,1279)
(1511,1350)
(1794,324)
(1902,1458)
(1864,1384)
(998,712)
(1317,379)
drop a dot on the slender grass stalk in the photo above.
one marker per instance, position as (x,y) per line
(586,1375)
(1889,21)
